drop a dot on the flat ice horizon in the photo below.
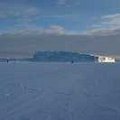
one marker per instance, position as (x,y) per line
(64,91)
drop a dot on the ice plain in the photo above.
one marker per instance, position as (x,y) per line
(59,91)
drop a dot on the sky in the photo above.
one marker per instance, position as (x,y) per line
(90,26)
(60,16)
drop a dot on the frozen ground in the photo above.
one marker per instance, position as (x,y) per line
(51,91)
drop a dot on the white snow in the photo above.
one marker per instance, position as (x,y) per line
(105,59)
(59,91)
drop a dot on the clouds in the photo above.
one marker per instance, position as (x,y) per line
(113,21)
(54,29)
(108,24)
(18,12)
(27,20)
(69,3)
(53,16)
(62,2)
(12,17)
(36,30)
(24,18)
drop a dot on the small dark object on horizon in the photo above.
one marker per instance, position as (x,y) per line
(7,60)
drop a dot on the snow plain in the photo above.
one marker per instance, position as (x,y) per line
(59,91)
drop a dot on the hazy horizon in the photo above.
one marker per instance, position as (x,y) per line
(26,45)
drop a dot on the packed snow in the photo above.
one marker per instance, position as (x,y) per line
(59,91)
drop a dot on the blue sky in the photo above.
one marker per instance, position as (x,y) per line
(60,16)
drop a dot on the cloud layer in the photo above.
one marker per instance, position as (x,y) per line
(56,17)
(109,24)
(34,30)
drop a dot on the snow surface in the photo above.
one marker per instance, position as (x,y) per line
(59,91)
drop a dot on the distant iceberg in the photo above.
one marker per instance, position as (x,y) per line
(62,56)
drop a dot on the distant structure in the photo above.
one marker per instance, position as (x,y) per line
(7,60)
(106,59)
